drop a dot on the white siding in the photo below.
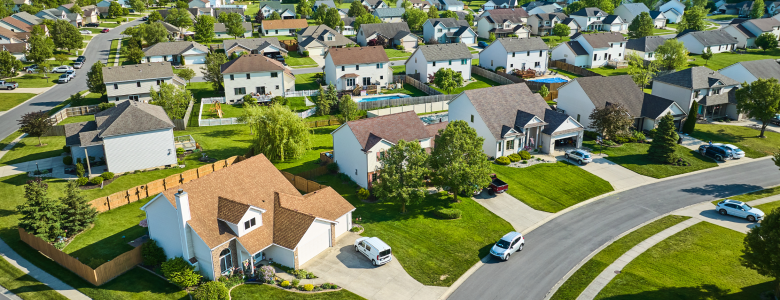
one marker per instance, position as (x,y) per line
(251,213)
(742,40)
(127,153)
(202,252)
(493,56)
(344,224)
(417,64)
(624,13)
(277,32)
(78,152)
(377,72)
(574,102)
(315,240)
(430,32)
(461,108)
(162,222)
(128,88)
(738,73)
(527,60)
(483,28)
(348,154)
(562,51)
(678,94)
(256,80)
(372,155)
(225,35)
(159,58)
(280,255)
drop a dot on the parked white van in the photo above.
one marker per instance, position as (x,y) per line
(375,249)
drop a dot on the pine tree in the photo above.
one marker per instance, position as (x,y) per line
(78,213)
(40,214)
(690,122)
(664,141)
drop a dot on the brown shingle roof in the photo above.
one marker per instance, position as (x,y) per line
(284,24)
(401,126)
(325,204)
(254,63)
(18,24)
(230,211)
(14,47)
(358,55)
(296,224)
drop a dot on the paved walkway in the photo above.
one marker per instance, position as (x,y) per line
(514,211)
(25,266)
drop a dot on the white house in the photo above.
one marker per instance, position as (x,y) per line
(349,28)
(130,136)
(515,53)
(269,46)
(741,9)
(17,50)
(258,75)
(718,41)
(659,19)
(747,31)
(749,71)
(374,4)
(133,82)
(418,4)
(199,3)
(56,14)
(502,22)
(581,96)
(221,32)
(188,52)
(352,67)
(286,11)
(589,18)
(645,47)
(448,30)
(318,39)
(673,16)
(545,9)
(497,4)
(591,50)
(242,214)
(452,5)
(511,118)
(359,145)
(282,27)
(543,24)
(673,10)
(629,11)
(389,15)
(428,59)
(614,23)
(391,34)
(712,90)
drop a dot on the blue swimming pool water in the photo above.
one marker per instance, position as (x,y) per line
(550,80)
(383,98)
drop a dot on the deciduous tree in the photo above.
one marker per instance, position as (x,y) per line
(204,28)
(406,4)
(154,16)
(641,26)
(707,54)
(491,37)
(757,11)
(6,8)
(605,5)
(447,79)
(641,74)
(187,74)
(173,99)
(470,19)
(304,9)
(433,12)
(693,18)
(402,175)
(280,134)
(332,19)
(348,109)
(40,214)
(154,33)
(355,9)
(35,124)
(179,17)
(181,4)
(114,10)
(415,18)
(766,40)
(78,213)
(761,244)
(138,6)
(561,30)
(9,65)
(672,55)
(41,46)
(610,120)
(213,69)
(76,9)
(274,16)
(234,24)
(95,78)
(319,14)
(449,14)
(573,7)
(366,19)
(759,100)
(458,159)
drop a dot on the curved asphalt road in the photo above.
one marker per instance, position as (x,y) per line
(559,245)
(97,50)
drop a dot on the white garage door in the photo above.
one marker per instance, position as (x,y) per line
(410,45)
(313,247)
(195,59)
(468,40)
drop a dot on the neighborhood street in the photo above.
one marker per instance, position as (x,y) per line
(557,246)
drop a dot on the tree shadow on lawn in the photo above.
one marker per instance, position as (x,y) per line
(722,190)
(34,156)
(701,292)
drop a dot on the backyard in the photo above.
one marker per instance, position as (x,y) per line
(407,89)
(633,156)
(394,54)
(305,82)
(743,137)
(477,83)
(294,59)
(11,100)
(552,187)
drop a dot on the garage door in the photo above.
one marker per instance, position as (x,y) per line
(410,45)
(195,59)
(313,247)
(468,40)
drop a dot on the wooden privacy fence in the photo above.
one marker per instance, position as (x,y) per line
(104,273)
(314,173)
(416,83)
(369,105)
(322,123)
(572,68)
(303,184)
(56,118)
(536,86)
(494,76)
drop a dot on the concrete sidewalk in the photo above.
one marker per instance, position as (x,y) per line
(25,266)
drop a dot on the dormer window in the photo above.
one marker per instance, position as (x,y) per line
(249,224)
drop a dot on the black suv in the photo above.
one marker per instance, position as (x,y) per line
(719,153)
(81,59)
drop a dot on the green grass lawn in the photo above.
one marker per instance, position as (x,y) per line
(409,90)
(228,111)
(553,41)
(610,72)
(722,17)
(321,141)
(24,285)
(109,24)
(633,156)
(722,60)
(305,82)
(297,104)
(11,100)
(27,149)
(122,58)
(7,140)
(399,70)
(418,238)
(657,31)
(265,292)
(578,281)
(743,137)
(568,74)
(294,59)
(480,82)
(112,52)
(475,62)
(394,54)
(682,267)
(540,186)
(87,37)
(77,119)
(36,80)
(769,207)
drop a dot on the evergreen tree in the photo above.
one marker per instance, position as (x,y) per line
(40,215)
(78,214)
(664,141)
(757,11)
(95,78)
(690,122)
(355,9)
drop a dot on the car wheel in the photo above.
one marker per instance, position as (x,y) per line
(751,218)
(566,155)
(356,249)
(719,158)
(506,257)
(581,162)
(491,192)
(520,248)
(373,262)
(723,212)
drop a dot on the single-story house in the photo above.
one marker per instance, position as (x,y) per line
(754,27)
(18,50)
(282,27)
(428,59)
(749,71)
(697,42)
(185,52)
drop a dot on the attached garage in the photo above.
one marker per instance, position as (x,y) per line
(469,40)
(316,240)
(195,59)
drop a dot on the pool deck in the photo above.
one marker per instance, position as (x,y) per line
(361,98)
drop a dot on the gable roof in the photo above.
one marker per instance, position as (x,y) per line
(505,106)
(523,44)
(765,68)
(765,24)
(284,24)
(349,21)
(589,12)
(329,3)
(405,126)
(222,10)
(653,106)
(14,47)
(554,121)
(514,15)
(358,55)
(231,211)
(27,17)
(711,37)
(550,16)
(253,44)
(317,34)
(276,5)
(612,19)
(137,72)
(444,51)
(550,8)
(635,8)
(173,48)
(576,47)
(696,78)
(373,3)
(451,2)
(14,34)
(744,31)
(165,12)
(449,22)
(655,14)
(645,44)
(613,89)
(253,63)
(220,27)
(601,39)
(17,23)
(389,12)
(388,30)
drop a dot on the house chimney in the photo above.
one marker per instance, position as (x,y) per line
(183,207)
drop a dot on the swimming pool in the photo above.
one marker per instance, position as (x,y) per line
(550,80)
(369,99)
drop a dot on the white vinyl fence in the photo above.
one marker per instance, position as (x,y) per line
(417,108)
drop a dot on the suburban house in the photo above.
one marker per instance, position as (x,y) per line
(56,14)
(286,11)
(374,4)
(543,24)
(589,18)
(659,19)
(173,31)
(130,136)
(221,32)
(91,14)
(614,23)
(266,46)
(18,50)
(133,82)
(107,3)
(188,53)
(10,37)
(164,13)
(343,13)
(545,9)
(256,73)
(317,40)
(712,90)
(755,28)
(591,50)
(282,27)
(673,10)
(353,67)
(717,40)
(327,3)
(389,15)
(503,22)
(497,4)
(581,96)
(452,5)
(428,59)
(243,214)
(365,141)
(390,34)
(741,9)
(511,118)
(349,28)
(448,30)
(772,7)
(629,11)
(26,17)
(672,16)
(228,10)
(645,47)
(749,71)
(418,4)
(515,54)
(18,4)
(743,35)
(199,3)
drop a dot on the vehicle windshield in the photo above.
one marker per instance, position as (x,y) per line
(503,244)
(746,207)
(586,155)
(384,253)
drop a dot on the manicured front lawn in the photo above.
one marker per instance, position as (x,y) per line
(633,156)
(394,54)
(743,137)
(27,149)
(553,41)
(265,292)
(24,285)
(722,60)
(552,187)
(580,280)
(36,80)
(700,262)
(297,104)
(768,207)
(657,31)
(480,82)
(306,82)
(11,100)
(295,59)
(433,251)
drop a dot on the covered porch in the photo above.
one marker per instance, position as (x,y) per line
(718,106)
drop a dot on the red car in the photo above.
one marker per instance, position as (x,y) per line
(497,186)
(104,30)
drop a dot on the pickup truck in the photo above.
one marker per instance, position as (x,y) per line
(497,186)
(8,85)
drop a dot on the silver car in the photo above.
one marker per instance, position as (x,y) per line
(580,156)
(78,65)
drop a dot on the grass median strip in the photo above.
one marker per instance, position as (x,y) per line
(11,100)
(580,280)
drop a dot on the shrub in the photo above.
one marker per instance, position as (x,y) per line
(639,136)
(651,133)
(249,100)
(79,168)
(363,194)
(514,157)
(399,47)
(608,143)
(67,160)
(448,213)
(317,289)
(96,180)
(179,151)
(106,105)
(295,282)
(503,160)
(524,155)
(82,180)
(212,290)
(591,134)
(66,149)
(525,162)
(180,161)
(306,53)
(621,139)
(333,168)
(354,229)
(107,175)
(178,271)
(285,283)
(268,273)
(152,253)
(500,70)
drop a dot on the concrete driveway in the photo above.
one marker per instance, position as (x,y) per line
(619,177)
(514,211)
(347,268)
(706,212)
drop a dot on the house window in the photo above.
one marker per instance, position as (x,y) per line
(357,67)
(434,63)
(540,53)
(247,76)
(117,99)
(138,84)
(621,45)
(249,224)
(239,91)
(510,145)
(491,62)
(595,57)
(381,77)
(450,62)
(380,65)
(438,30)
(696,94)
(499,145)
(716,91)
(650,55)
(511,65)
(342,68)
(513,54)
(277,31)
(464,61)
(277,87)
(133,97)
(260,90)
(116,86)
(225,261)
(330,38)
(158,82)
(231,77)
(274,74)
(350,81)
(537,64)
(366,80)
(528,53)
(472,118)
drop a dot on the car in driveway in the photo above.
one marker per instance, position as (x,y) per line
(482,45)
(510,243)
(719,153)
(62,69)
(64,78)
(740,209)
(104,30)
(91,25)
(736,153)
(85,32)
(78,65)
(375,249)
(580,156)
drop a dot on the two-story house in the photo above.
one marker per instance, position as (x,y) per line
(515,53)
(56,14)
(754,28)
(741,9)
(256,74)
(629,11)
(717,41)
(282,27)
(389,15)
(326,3)
(590,18)
(543,24)
(645,47)
(591,50)
(185,52)
(614,23)
(503,22)
(659,19)
(18,4)
(221,32)
(496,4)
(545,9)
(428,59)
(673,10)
(713,91)
(772,7)
(390,34)
(10,37)
(374,4)
(349,26)
(286,11)
(133,82)
(418,4)
(359,146)
(352,67)
(451,5)
(317,40)
(448,30)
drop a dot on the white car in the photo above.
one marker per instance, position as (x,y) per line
(85,32)
(64,78)
(580,156)
(71,74)
(739,209)
(78,65)
(736,153)
(511,242)
(62,69)
(375,249)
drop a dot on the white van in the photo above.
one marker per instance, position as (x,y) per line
(375,249)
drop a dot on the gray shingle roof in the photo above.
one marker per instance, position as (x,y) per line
(645,44)
(329,3)
(253,44)
(451,2)
(696,78)
(389,12)
(251,63)
(654,14)
(712,37)
(613,19)
(514,15)
(653,106)
(173,48)
(131,117)
(766,24)
(137,72)
(220,27)
(765,68)
(506,106)
(601,39)
(388,30)
(218,11)
(635,8)
(445,51)
(548,8)
(551,16)
(278,6)
(589,12)
(523,44)
(449,22)
(554,121)
(577,48)
(741,28)
(613,89)
(314,34)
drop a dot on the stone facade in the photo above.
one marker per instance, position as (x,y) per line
(215,256)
